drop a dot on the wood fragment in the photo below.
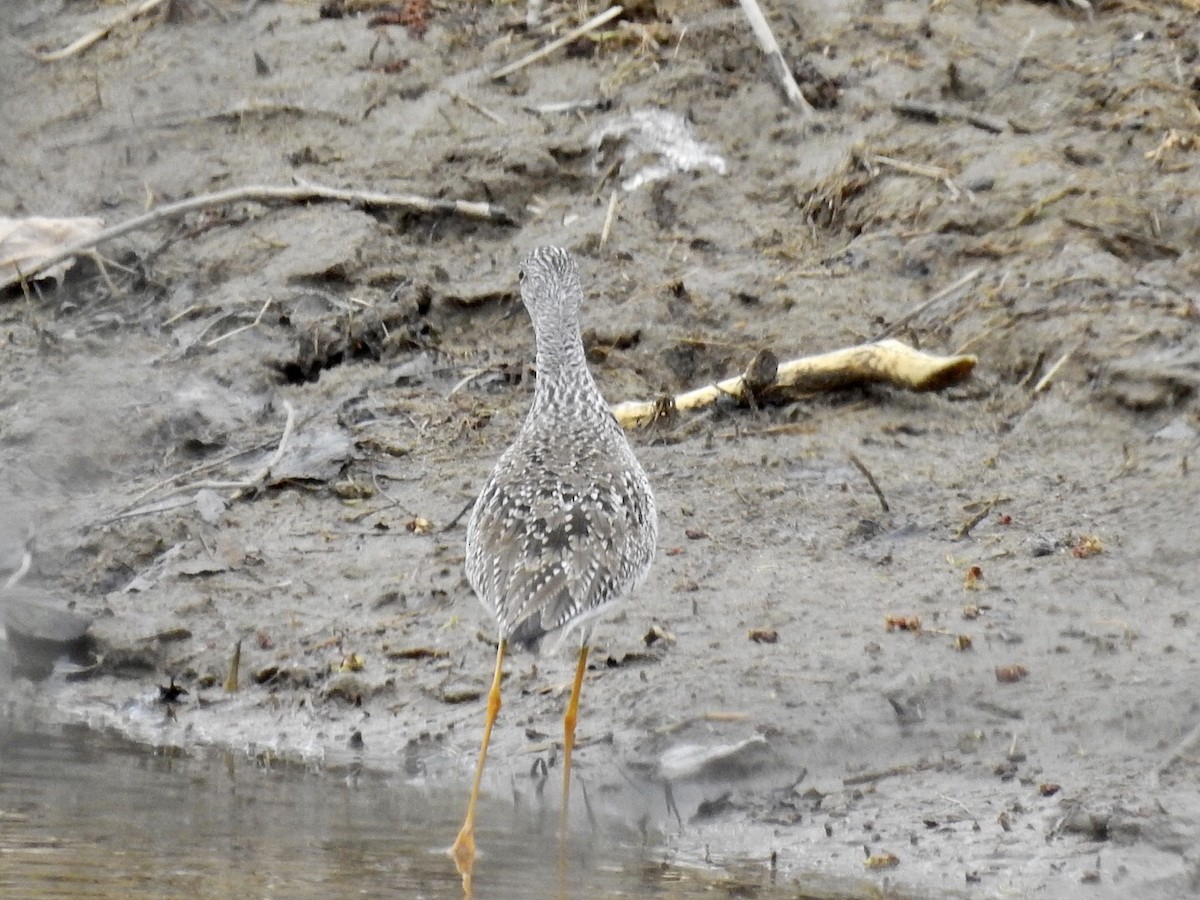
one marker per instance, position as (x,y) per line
(884,860)
(241,487)
(231,680)
(982,513)
(776,62)
(608,218)
(923,170)
(1185,750)
(886,361)
(573,35)
(1011,674)
(570,106)
(194,470)
(938,173)
(20,571)
(298,193)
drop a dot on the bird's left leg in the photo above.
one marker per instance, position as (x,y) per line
(463,850)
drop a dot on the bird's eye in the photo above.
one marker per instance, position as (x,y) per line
(521,274)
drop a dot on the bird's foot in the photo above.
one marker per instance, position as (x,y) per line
(463,854)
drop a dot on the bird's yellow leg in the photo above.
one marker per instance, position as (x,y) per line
(463,850)
(569,718)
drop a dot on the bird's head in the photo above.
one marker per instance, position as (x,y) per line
(550,287)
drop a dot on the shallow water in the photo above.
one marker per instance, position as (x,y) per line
(85,815)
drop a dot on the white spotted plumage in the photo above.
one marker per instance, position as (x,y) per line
(566,525)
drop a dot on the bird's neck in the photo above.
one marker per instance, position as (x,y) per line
(563,377)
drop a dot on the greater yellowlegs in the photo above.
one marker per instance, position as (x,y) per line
(565,526)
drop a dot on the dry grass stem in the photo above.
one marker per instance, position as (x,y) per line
(1045,380)
(242,328)
(573,35)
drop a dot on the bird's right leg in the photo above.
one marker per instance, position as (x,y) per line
(569,719)
(463,850)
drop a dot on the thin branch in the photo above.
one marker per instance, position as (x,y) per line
(265,472)
(939,112)
(608,218)
(482,110)
(288,193)
(19,572)
(82,43)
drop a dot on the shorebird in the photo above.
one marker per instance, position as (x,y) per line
(565,526)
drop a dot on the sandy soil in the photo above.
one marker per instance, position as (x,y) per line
(1071,196)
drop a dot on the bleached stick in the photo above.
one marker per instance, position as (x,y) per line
(778,65)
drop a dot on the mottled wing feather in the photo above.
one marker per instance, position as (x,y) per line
(565,525)
(549,547)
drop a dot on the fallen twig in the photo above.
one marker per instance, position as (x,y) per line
(1044,381)
(573,35)
(482,110)
(242,328)
(259,480)
(241,487)
(861,466)
(886,361)
(290,193)
(1018,61)
(924,170)
(924,307)
(231,679)
(938,112)
(1185,750)
(569,106)
(1034,210)
(194,470)
(980,514)
(80,44)
(890,772)
(779,67)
